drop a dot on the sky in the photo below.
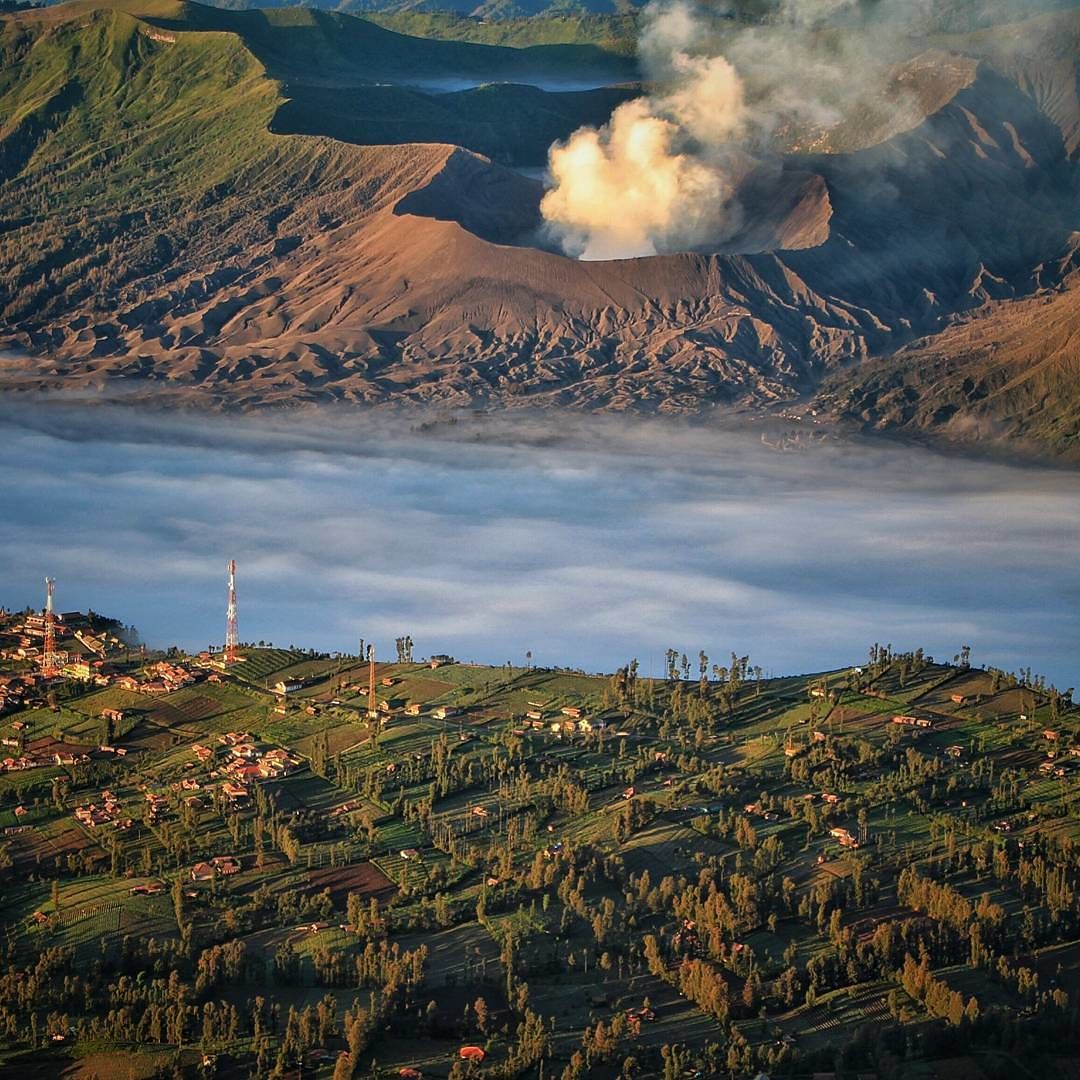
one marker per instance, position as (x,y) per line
(587,541)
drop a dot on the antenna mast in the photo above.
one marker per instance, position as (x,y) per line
(50,662)
(373,712)
(231,636)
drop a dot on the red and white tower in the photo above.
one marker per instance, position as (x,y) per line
(50,661)
(232,640)
(372,709)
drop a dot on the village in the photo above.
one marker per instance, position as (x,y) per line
(306,808)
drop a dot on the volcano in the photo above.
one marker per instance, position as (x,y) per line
(248,209)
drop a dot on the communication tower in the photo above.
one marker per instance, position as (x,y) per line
(50,661)
(232,640)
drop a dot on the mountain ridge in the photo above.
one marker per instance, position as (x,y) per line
(304,268)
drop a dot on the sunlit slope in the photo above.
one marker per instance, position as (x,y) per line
(186,209)
(129,144)
(327,46)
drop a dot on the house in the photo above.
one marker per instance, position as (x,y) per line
(225,865)
(819,736)
(818,692)
(234,792)
(480,811)
(957,699)
(439,660)
(152,888)
(831,799)
(843,837)
(202,871)
(572,711)
(534,714)
(114,716)
(444,712)
(413,709)
(954,751)
(287,686)
(1050,736)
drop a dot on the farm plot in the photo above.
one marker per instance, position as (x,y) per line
(50,843)
(457,955)
(821,1024)
(92,910)
(411,872)
(365,879)
(668,849)
(259,664)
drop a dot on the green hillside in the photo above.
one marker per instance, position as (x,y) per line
(613,33)
(303,42)
(114,119)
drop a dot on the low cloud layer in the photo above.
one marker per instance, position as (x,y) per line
(585,544)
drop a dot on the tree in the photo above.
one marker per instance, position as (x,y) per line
(480,1011)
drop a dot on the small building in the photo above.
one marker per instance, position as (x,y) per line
(957,699)
(287,686)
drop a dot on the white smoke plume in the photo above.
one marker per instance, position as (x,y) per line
(663,173)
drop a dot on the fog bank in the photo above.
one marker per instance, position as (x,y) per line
(587,541)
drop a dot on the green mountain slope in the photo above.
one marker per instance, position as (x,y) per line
(302,42)
(134,132)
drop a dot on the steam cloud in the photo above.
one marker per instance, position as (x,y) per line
(663,173)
